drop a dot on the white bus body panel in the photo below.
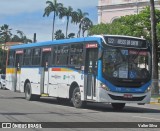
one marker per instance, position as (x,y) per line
(60,82)
(10,78)
(34,76)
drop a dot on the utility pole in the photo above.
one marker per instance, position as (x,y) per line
(155,87)
(34,38)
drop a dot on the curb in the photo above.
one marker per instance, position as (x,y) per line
(155,101)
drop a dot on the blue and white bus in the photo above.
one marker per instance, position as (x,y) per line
(103,68)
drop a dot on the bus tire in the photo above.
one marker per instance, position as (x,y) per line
(28,93)
(118,106)
(76,98)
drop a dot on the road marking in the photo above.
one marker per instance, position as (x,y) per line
(147,118)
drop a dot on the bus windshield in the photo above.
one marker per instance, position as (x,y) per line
(122,63)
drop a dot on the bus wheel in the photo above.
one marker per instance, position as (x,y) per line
(0,86)
(118,106)
(28,94)
(76,98)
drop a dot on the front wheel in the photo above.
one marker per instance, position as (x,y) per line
(118,106)
(76,98)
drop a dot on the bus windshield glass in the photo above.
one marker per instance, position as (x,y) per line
(122,63)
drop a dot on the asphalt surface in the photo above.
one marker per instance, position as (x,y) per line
(14,108)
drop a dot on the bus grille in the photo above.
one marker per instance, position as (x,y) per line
(127,99)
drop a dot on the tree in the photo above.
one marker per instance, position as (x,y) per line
(16,38)
(85,25)
(155,87)
(59,35)
(5,33)
(80,16)
(53,7)
(68,12)
(1,61)
(71,35)
(23,37)
(133,25)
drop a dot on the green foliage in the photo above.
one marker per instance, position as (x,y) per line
(131,25)
(2,61)
(59,35)
(54,7)
(7,36)
(71,16)
(71,35)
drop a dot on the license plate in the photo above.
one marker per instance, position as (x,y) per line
(128,96)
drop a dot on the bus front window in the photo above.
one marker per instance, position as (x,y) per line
(120,63)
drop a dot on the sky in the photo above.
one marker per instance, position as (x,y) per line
(27,16)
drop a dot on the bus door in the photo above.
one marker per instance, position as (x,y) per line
(91,70)
(18,63)
(46,58)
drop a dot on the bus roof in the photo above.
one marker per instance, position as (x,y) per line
(65,41)
(55,42)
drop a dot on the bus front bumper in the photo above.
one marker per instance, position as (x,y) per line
(114,97)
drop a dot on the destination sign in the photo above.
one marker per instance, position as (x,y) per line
(126,42)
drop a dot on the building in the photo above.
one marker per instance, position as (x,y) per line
(109,10)
(8,44)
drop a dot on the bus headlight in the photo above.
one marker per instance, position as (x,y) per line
(148,89)
(104,87)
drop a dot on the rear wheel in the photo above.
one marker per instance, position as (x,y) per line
(28,93)
(118,106)
(76,98)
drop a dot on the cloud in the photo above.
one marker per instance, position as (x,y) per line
(14,7)
(79,3)
(27,16)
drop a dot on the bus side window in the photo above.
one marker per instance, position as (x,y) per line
(54,55)
(11,58)
(36,55)
(27,57)
(76,54)
(62,55)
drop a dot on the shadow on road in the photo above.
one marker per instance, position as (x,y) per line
(102,107)
(2,97)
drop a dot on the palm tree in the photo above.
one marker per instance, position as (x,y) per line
(59,35)
(53,7)
(16,38)
(68,12)
(71,35)
(80,16)
(86,24)
(23,37)
(5,32)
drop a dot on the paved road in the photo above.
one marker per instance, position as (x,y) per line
(14,108)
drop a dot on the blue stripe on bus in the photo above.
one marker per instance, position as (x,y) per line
(56,42)
(114,88)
